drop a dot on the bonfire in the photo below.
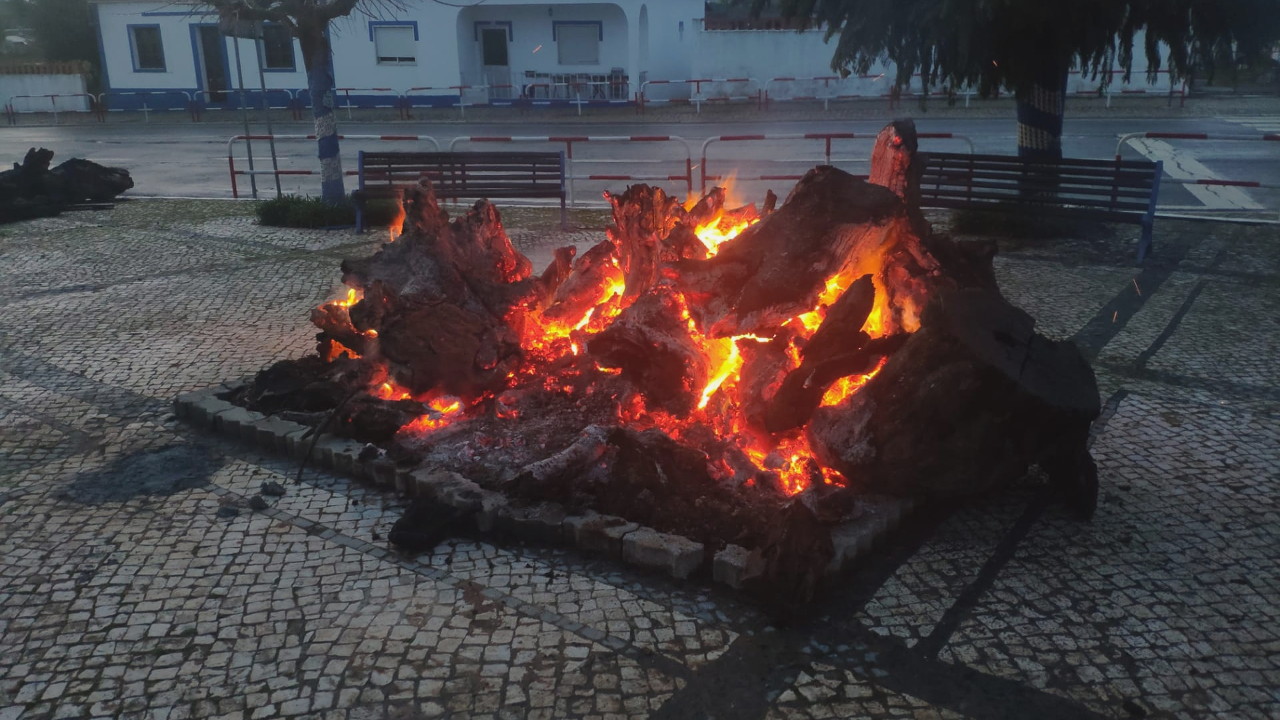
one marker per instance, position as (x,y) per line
(726,373)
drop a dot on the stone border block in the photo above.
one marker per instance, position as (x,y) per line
(733,566)
(297,442)
(601,533)
(543,522)
(854,538)
(679,556)
(546,522)
(237,422)
(272,433)
(494,511)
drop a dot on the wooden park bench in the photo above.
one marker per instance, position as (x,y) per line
(1108,190)
(471,175)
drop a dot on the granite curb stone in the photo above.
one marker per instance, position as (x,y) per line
(547,522)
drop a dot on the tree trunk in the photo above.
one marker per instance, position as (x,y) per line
(1040,109)
(318,57)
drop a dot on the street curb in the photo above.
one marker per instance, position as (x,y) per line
(545,522)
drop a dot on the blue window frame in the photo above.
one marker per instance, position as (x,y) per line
(277,49)
(146,47)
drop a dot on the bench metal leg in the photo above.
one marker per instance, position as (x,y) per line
(1144,244)
(1149,220)
(359,218)
(564,216)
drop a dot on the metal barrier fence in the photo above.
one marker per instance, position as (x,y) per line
(580,93)
(231,161)
(827,139)
(186,102)
(573,163)
(696,94)
(11,112)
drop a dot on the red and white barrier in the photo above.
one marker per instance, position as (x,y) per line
(827,139)
(385,98)
(572,163)
(11,111)
(104,105)
(696,94)
(231,162)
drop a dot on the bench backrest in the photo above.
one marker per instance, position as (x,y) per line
(1104,189)
(468,174)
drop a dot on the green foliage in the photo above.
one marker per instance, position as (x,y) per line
(310,212)
(1013,43)
(64,29)
(305,212)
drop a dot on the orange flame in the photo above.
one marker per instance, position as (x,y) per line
(446,409)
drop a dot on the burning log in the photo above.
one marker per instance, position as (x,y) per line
(778,267)
(441,307)
(651,343)
(833,351)
(983,392)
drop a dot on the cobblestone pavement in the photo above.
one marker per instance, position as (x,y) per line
(135,583)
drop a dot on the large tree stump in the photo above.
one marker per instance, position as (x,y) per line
(444,305)
(970,402)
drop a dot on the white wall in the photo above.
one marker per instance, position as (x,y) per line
(532,47)
(356,64)
(767,54)
(175,34)
(180,73)
(14,86)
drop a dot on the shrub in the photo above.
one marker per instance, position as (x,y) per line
(305,212)
(308,212)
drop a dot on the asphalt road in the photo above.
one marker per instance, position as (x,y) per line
(174,159)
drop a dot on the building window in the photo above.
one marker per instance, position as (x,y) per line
(578,43)
(277,48)
(148,50)
(395,44)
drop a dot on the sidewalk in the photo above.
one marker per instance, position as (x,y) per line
(1153,106)
(135,583)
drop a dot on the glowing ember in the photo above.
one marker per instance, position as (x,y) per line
(552,338)
(848,385)
(719,231)
(445,409)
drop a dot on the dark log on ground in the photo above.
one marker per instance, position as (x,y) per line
(446,300)
(78,180)
(308,384)
(970,402)
(31,189)
(373,420)
(793,559)
(425,524)
(551,476)
(650,343)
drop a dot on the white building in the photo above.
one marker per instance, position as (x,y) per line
(431,53)
(534,48)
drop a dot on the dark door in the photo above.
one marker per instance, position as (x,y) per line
(497,70)
(212,63)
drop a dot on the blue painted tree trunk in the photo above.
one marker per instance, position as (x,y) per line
(1040,110)
(320,84)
